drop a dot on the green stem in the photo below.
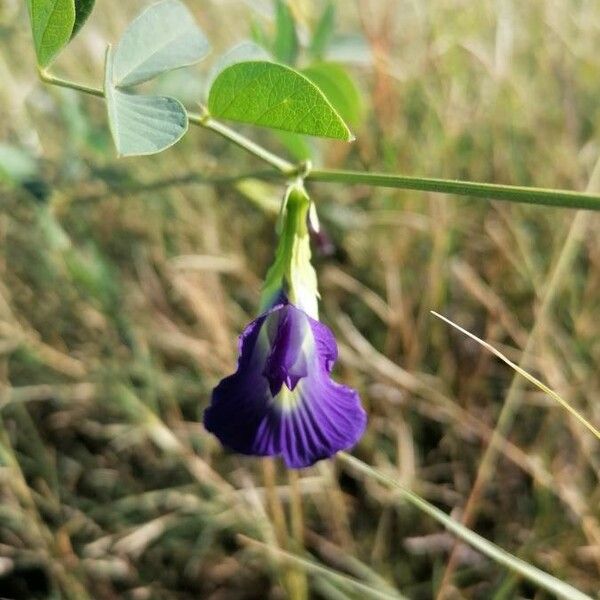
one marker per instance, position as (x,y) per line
(201,120)
(72,85)
(511,193)
(204,120)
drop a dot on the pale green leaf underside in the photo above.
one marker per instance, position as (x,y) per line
(272,95)
(142,124)
(163,37)
(51,24)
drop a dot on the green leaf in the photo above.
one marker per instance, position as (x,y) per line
(163,37)
(297,145)
(272,95)
(323,31)
(333,80)
(83,9)
(51,23)
(258,34)
(247,51)
(285,47)
(142,124)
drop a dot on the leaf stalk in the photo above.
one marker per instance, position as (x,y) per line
(488,191)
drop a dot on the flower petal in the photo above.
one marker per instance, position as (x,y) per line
(325,343)
(327,418)
(288,331)
(310,418)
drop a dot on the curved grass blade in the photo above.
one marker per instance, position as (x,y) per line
(542,579)
(272,95)
(316,569)
(526,375)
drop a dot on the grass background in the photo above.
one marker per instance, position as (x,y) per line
(121,297)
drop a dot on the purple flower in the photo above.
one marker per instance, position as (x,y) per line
(281,401)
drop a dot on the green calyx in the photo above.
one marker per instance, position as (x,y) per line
(292,272)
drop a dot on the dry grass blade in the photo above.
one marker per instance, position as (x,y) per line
(316,569)
(124,285)
(525,374)
(541,578)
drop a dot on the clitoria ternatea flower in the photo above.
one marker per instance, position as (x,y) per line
(282,401)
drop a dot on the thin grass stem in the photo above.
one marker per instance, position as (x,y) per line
(533,574)
(297,576)
(493,191)
(316,569)
(573,411)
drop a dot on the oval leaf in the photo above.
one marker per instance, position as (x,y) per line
(323,31)
(51,23)
(297,145)
(242,52)
(83,9)
(163,37)
(285,47)
(142,125)
(333,80)
(272,95)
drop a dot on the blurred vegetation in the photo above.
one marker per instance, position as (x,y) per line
(122,294)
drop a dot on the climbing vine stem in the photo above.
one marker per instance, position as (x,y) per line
(487,191)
